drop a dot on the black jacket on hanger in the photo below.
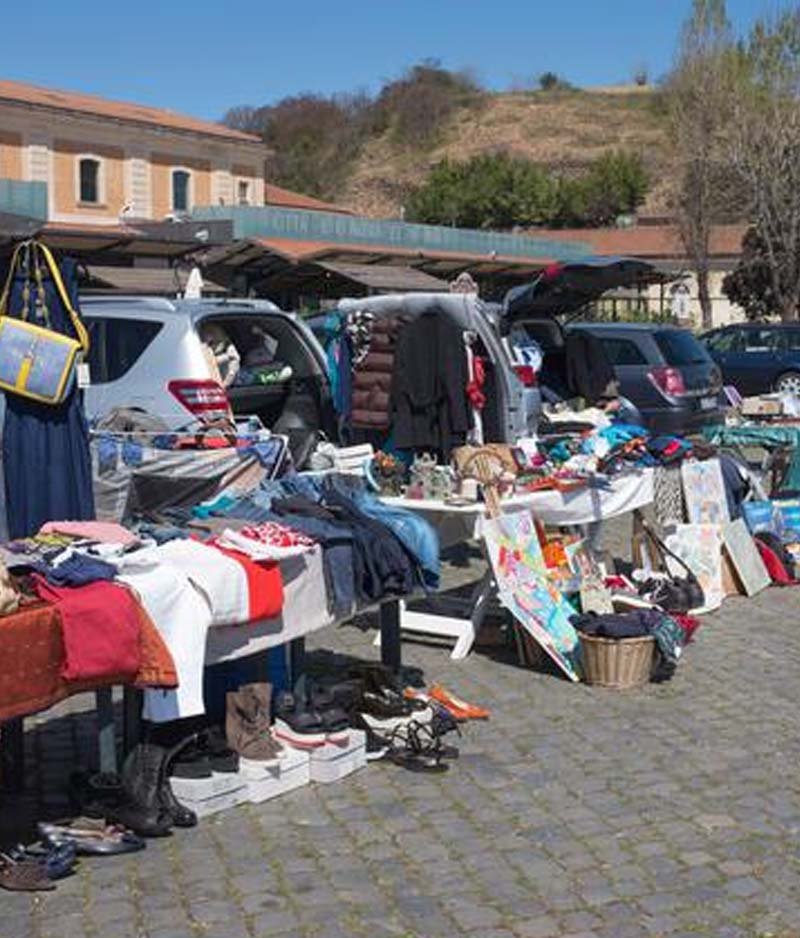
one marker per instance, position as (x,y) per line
(429,403)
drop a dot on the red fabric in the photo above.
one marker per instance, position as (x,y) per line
(775,566)
(475,385)
(100,625)
(264,584)
(689,624)
(32,659)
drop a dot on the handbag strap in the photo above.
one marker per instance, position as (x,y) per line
(665,551)
(26,249)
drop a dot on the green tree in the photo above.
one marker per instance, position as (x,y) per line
(502,191)
(615,184)
(751,284)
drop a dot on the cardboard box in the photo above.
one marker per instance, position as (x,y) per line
(332,762)
(207,796)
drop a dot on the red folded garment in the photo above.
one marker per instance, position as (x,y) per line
(100,624)
(264,584)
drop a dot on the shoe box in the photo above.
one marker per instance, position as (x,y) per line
(331,761)
(207,796)
(265,780)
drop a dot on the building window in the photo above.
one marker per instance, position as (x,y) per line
(243,192)
(181,179)
(89,180)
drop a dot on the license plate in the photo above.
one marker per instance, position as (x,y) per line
(708,403)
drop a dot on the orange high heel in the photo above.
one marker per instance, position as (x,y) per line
(459,708)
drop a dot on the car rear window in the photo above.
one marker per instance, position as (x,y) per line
(680,348)
(271,351)
(623,352)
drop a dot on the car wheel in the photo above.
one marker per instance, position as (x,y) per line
(789,382)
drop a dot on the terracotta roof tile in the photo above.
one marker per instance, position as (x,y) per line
(285,198)
(21,93)
(300,251)
(646,241)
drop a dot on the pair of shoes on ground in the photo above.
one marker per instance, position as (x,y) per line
(417,746)
(439,696)
(206,752)
(309,719)
(37,867)
(141,799)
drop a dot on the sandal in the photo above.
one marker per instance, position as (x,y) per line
(418,747)
(91,836)
(24,876)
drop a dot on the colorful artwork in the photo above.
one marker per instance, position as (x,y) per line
(524,589)
(704,492)
(700,547)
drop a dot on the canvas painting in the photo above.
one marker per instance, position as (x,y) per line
(523,588)
(704,492)
(700,548)
(745,557)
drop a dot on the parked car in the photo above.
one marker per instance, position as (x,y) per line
(147,353)
(662,370)
(757,358)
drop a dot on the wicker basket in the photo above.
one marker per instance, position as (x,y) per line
(620,663)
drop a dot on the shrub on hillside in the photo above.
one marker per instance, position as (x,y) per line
(502,191)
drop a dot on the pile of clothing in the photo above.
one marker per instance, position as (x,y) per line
(182,586)
(370,551)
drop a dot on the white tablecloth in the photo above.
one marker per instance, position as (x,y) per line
(305,609)
(456,524)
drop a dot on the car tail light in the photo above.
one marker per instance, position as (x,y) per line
(206,400)
(668,380)
(527,375)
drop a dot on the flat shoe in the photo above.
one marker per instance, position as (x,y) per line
(24,876)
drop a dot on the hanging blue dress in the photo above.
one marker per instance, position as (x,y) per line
(46,460)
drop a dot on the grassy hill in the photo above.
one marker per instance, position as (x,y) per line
(563,129)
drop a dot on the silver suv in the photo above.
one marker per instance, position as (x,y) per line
(148,354)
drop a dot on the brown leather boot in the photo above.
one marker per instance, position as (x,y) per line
(247,724)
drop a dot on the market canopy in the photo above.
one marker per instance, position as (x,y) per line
(386,277)
(564,288)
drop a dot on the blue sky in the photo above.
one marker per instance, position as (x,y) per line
(202,57)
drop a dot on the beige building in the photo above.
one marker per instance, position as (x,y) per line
(106,161)
(660,244)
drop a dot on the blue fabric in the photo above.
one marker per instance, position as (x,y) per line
(340,365)
(415,534)
(76,570)
(48,469)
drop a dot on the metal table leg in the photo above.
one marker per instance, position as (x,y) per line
(131,718)
(12,755)
(106,736)
(297,660)
(389,617)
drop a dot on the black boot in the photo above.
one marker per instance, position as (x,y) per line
(179,814)
(141,809)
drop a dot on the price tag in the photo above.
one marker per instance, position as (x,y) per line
(84,375)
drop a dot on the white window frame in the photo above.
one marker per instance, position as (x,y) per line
(189,189)
(101,180)
(243,181)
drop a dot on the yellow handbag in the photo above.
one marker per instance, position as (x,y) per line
(37,362)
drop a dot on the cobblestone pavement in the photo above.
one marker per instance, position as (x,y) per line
(673,810)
